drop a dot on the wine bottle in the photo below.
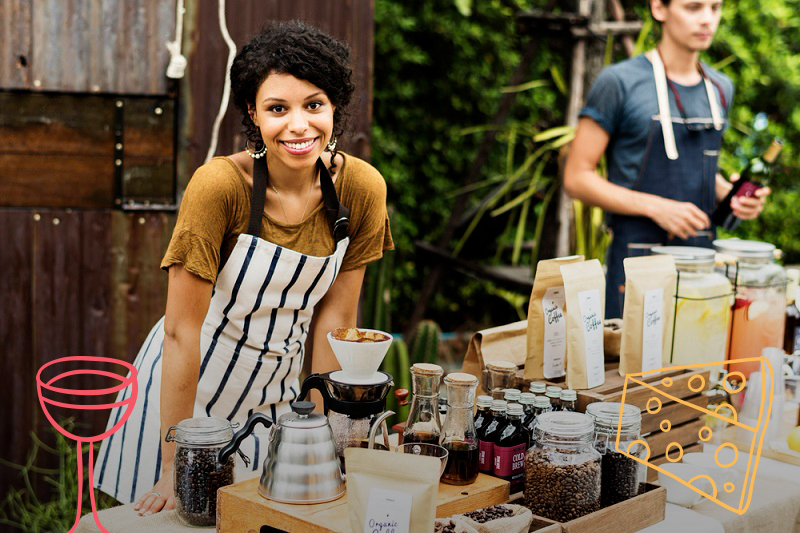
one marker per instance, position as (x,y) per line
(791,343)
(753,177)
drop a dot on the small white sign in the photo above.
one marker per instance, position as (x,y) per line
(555,332)
(388,511)
(653,330)
(592,316)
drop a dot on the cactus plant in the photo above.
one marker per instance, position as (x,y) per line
(425,342)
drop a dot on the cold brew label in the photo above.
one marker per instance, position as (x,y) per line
(509,461)
(388,511)
(592,324)
(555,332)
(485,456)
(652,329)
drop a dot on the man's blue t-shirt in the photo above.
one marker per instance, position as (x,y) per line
(623,102)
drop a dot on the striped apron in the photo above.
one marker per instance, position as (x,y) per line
(251,345)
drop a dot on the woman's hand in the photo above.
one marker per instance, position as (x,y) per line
(161,498)
(678,219)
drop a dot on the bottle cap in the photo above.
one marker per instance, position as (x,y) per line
(553,395)
(511,394)
(553,388)
(541,401)
(499,405)
(526,398)
(484,401)
(569,395)
(537,387)
(515,409)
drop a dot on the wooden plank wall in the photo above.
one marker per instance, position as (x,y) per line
(91,46)
(83,283)
(348,20)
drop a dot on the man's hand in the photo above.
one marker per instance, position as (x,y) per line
(161,498)
(749,207)
(679,219)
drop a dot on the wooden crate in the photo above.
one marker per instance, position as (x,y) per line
(686,420)
(241,508)
(644,510)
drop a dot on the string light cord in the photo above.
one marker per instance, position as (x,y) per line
(226,92)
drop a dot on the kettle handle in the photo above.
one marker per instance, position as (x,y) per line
(240,435)
(315,381)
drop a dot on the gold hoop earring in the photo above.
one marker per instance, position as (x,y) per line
(332,144)
(255,154)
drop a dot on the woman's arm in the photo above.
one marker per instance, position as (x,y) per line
(188,298)
(582,182)
(338,308)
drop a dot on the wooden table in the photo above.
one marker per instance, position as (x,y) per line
(241,509)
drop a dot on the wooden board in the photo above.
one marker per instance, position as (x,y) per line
(637,513)
(685,434)
(677,413)
(611,390)
(241,508)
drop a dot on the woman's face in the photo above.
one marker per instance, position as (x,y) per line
(295,118)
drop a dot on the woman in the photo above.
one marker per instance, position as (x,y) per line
(254,254)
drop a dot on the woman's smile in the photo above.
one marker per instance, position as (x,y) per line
(300,146)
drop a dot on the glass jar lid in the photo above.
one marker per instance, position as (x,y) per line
(565,424)
(607,414)
(202,430)
(427,369)
(501,366)
(745,249)
(686,255)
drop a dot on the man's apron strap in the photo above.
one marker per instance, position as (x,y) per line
(663,104)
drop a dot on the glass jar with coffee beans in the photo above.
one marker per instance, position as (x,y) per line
(622,474)
(562,470)
(197,469)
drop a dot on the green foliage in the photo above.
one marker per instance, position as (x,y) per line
(438,73)
(21,509)
(396,363)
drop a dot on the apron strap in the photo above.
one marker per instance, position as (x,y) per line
(663,104)
(259,196)
(338,214)
(716,116)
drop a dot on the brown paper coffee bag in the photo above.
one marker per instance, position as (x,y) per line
(414,475)
(650,284)
(585,288)
(547,332)
(501,343)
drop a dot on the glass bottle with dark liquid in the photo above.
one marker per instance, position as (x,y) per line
(489,436)
(458,433)
(510,448)
(423,424)
(541,404)
(484,414)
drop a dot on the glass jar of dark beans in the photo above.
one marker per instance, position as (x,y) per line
(197,469)
(562,468)
(622,473)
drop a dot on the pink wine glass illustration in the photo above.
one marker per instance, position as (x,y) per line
(54,391)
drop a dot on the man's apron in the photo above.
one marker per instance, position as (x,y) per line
(688,178)
(251,345)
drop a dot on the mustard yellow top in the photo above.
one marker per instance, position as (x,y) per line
(215,210)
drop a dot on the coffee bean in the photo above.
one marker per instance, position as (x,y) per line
(198,475)
(561,492)
(620,478)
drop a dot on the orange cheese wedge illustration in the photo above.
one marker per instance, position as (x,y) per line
(734,382)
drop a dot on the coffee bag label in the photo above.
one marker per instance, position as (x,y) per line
(388,511)
(485,456)
(652,329)
(592,323)
(509,461)
(555,332)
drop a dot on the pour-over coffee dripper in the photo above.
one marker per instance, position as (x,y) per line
(355,396)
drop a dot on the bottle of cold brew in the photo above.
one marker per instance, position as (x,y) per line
(526,401)
(490,435)
(510,448)
(484,414)
(541,404)
(569,399)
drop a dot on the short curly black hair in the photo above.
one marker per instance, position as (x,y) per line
(299,49)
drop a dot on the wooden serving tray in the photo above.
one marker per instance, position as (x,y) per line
(240,508)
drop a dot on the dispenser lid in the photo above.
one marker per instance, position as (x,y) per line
(303,417)
(686,255)
(745,249)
